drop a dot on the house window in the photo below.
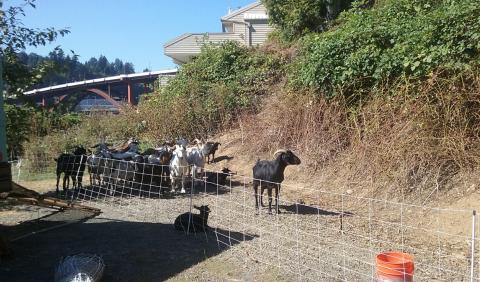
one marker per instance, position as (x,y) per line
(227,28)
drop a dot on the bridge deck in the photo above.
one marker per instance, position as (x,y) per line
(134,77)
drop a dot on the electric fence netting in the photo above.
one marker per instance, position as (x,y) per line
(335,237)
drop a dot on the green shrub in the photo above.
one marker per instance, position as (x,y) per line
(209,92)
(25,122)
(295,18)
(401,37)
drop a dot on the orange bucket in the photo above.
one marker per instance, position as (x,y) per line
(394,267)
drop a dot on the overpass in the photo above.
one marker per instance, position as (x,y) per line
(101,86)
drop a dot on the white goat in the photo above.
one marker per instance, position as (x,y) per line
(196,157)
(178,167)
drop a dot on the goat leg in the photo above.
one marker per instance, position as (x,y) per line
(58,180)
(183,184)
(66,182)
(269,190)
(255,188)
(262,189)
(277,196)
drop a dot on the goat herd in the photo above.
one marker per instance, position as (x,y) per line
(165,166)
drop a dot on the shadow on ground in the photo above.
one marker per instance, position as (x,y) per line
(304,209)
(222,158)
(100,192)
(132,251)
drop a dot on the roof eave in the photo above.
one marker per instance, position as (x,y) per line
(241,10)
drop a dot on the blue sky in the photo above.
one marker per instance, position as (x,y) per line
(131,30)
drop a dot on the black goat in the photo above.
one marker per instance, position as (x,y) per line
(97,164)
(72,165)
(270,174)
(154,172)
(198,222)
(121,171)
(210,148)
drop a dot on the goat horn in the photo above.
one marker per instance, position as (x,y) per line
(279,151)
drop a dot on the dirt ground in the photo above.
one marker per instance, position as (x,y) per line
(135,237)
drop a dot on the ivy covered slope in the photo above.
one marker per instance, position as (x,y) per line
(392,39)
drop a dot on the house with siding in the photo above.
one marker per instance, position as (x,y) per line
(248,26)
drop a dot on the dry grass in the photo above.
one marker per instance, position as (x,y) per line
(407,136)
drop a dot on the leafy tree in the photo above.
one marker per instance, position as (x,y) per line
(14,38)
(294,18)
(16,74)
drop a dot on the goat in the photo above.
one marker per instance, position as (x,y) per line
(97,163)
(96,168)
(270,174)
(210,148)
(154,169)
(178,167)
(79,169)
(123,171)
(123,148)
(196,158)
(193,222)
(219,178)
(72,165)
(182,142)
(129,152)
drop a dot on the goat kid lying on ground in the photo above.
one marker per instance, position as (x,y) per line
(198,222)
(270,174)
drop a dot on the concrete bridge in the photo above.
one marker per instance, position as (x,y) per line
(100,87)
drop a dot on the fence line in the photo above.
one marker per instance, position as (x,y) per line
(337,239)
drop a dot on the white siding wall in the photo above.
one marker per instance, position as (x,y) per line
(241,29)
(192,43)
(259,32)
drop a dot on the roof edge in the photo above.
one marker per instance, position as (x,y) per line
(241,10)
(176,39)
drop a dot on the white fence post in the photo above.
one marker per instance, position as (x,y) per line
(194,170)
(472,262)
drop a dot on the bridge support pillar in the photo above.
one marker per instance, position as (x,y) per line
(129,93)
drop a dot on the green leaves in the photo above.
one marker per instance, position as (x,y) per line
(295,18)
(213,89)
(399,37)
(15,37)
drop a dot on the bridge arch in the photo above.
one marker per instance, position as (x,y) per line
(98,92)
